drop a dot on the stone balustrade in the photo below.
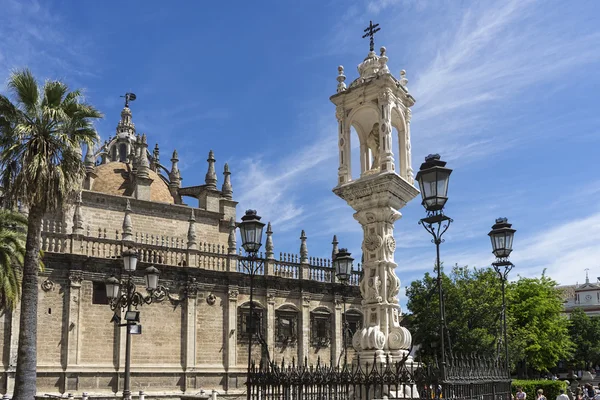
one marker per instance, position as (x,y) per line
(172,251)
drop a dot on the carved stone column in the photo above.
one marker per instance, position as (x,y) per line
(271,321)
(344,168)
(304,340)
(337,344)
(376,200)
(190,323)
(232,327)
(386,156)
(409,171)
(71,330)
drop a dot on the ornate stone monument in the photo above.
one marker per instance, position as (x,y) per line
(374,104)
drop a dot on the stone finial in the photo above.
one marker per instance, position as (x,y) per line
(143,163)
(211,176)
(334,249)
(155,158)
(226,189)
(175,175)
(127,225)
(341,78)
(231,244)
(383,59)
(191,236)
(90,160)
(303,248)
(77,217)
(403,80)
(269,243)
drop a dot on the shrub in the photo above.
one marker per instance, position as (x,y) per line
(551,388)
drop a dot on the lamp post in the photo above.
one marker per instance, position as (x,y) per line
(502,235)
(251,230)
(433,179)
(342,264)
(123,295)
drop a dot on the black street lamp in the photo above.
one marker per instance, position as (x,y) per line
(433,179)
(342,263)
(502,235)
(123,295)
(251,230)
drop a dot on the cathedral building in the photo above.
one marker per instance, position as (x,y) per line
(585,296)
(195,332)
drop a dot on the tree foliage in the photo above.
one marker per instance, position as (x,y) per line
(585,334)
(42,130)
(12,254)
(537,333)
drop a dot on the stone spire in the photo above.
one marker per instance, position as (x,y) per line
(90,160)
(334,249)
(174,175)
(143,164)
(191,236)
(125,127)
(77,217)
(155,158)
(226,188)
(127,225)
(269,243)
(211,175)
(303,248)
(231,244)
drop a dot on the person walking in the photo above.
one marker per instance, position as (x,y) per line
(562,395)
(540,395)
(521,395)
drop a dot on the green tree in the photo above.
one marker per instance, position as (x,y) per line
(585,334)
(12,253)
(42,131)
(538,332)
(472,303)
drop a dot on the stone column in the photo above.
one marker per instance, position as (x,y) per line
(409,171)
(337,345)
(271,321)
(71,329)
(189,324)
(232,329)
(304,340)
(376,200)
(344,169)
(386,156)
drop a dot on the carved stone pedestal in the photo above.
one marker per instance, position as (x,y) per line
(376,198)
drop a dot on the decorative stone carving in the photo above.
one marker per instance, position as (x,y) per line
(390,243)
(271,298)
(233,294)
(373,144)
(373,242)
(75,278)
(211,299)
(47,285)
(306,300)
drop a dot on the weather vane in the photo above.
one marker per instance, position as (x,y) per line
(129,97)
(370,32)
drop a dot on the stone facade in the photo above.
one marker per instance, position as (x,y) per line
(585,296)
(194,334)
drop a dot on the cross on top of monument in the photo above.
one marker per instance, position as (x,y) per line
(370,32)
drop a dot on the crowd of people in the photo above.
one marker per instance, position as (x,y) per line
(580,392)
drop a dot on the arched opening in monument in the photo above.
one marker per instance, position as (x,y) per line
(400,146)
(355,162)
(365,122)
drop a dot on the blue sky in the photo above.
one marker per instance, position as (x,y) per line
(506,91)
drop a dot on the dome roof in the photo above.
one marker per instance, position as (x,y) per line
(113,178)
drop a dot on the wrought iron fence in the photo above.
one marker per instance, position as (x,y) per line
(467,378)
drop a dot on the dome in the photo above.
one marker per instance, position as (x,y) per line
(112,178)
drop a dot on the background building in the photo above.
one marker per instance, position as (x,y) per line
(585,296)
(195,334)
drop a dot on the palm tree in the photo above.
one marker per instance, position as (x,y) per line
(12,253)
(41,137)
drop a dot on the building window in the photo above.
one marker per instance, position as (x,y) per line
(99,293)
(286,326)
(246,327)
(320,328)
(123,152)
(354,324)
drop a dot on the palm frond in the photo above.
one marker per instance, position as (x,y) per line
(24,87)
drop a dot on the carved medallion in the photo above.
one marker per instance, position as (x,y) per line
(211,299)
(47,285)
(390,242)
(233,294)
(373,242)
